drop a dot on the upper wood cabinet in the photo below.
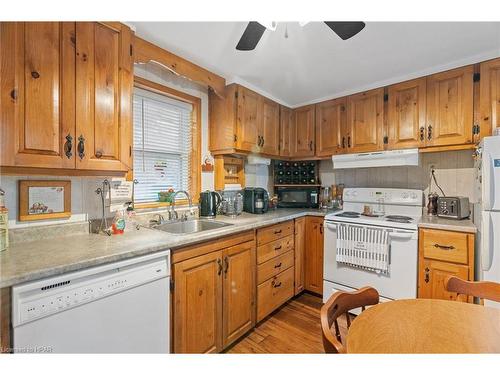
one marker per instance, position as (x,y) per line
(66,95)
(406,114)
(243,121)
(365,121)
(330,126)
(102,62)
(449,107)
(270,127)
(286,116)
(489,101)
(303,126)
(38,95)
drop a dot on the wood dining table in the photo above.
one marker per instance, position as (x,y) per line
(425,326)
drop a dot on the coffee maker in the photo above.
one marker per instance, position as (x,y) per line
(255,200)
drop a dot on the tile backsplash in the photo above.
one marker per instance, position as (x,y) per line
(454,173)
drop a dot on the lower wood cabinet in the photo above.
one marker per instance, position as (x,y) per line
(313,254)
(274,292)
(441,254)
(300,245)
(213,298)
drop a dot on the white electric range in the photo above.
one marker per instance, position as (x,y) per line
(373,242)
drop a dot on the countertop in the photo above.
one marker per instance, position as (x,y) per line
(434,222)
(32,260)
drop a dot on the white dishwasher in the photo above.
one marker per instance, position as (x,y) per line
(121,307)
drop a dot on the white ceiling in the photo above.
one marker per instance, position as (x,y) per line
(313,63)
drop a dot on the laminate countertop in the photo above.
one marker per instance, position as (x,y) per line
(434,222)
(40,258)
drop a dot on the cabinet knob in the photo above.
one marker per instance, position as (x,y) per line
(35,74)
(98,154)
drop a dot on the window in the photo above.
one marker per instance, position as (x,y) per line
(164,144)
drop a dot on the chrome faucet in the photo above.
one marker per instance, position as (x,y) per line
(159,221)
(173,213)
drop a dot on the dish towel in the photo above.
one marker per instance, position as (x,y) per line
(363,247)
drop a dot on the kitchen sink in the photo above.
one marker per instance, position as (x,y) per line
(191,226)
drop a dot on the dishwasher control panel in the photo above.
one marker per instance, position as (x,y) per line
(42,298)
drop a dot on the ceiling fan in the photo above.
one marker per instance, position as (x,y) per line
(255,30)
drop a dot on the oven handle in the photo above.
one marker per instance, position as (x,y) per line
(401,235)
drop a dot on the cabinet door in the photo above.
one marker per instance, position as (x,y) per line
(300,244)
(489,96)
(38,97)
(103,131)
(270,127)
(249,104)
(406,114)
(285,130)
(303,131)
(449,107)
(313,263)
(433,275)
(198,304)
(365,121)
(330,122)
(239,291)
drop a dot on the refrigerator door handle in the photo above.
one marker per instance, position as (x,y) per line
(487,241)
(488,182)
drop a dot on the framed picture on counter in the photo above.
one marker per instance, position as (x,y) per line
(44,199)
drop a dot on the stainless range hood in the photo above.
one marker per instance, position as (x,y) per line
(377,159)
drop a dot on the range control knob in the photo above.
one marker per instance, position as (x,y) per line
(405,195)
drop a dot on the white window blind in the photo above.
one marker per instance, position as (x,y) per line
(162,144)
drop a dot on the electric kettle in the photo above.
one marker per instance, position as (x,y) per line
(209,203)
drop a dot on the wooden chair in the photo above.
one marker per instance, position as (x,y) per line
(480,289)
(340,303)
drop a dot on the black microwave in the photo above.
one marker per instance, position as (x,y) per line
(297,197)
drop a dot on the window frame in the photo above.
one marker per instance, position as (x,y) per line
(195,155)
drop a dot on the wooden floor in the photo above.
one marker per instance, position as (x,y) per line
(293,328)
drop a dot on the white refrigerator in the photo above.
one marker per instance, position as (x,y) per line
(487,215)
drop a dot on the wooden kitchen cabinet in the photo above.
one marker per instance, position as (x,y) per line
(489,102)
(441,254)
(243,122)
(313,254)
(238,314)
(38,95)
(286,117)
(66,95)
(303,132)
(270,127)
(213,293)
(450,107)
(406,114)
(330,127)
(300,245)
(198,304)
(365,121)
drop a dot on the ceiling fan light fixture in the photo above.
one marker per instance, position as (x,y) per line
(269,25)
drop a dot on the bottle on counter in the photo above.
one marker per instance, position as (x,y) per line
(118,226)
(4,223)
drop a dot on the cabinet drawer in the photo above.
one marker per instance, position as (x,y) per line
(274,232)
(274,266)
(273,249)
(445,245)
(274,292)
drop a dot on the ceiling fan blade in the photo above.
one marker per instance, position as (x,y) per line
(251,36)
(345,30)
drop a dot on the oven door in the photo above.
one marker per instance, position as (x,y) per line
(289,197)
(399,283)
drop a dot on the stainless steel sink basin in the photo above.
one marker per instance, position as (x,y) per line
(191,226)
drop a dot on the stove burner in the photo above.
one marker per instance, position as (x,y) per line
(348,214)
(399,219)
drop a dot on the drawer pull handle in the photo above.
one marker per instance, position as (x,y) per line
(278,265)
(444,247)
(277,248)
(277,285)
(277,231)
